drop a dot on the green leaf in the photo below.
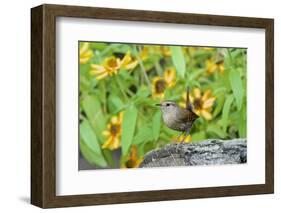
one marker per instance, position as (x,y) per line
(156,124)
(84,83)
(109,158)
(169,131)
(219,105)
(143,135)
(128,128)
(89,137)
(147,102)
(194,75)
(213,128)
(237,88)
(84,69)
(141,95)
(98,45)
(91,156)
(95,114)
(178,60)
(143,92)
(225,111)
(198,136)
(115,103)
(242,123)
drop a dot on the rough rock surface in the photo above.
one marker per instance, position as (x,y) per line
(207,152)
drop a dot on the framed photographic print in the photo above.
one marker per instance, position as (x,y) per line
(135,106)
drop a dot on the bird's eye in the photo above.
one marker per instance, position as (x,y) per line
(167,104)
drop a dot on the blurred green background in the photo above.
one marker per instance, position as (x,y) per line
(121,83)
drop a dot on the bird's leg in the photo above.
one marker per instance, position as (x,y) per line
(179,136)
(185,135)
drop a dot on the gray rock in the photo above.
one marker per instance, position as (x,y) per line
(207,152)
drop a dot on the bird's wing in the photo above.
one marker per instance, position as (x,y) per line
(186,116)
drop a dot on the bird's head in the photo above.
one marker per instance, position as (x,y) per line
(168,106)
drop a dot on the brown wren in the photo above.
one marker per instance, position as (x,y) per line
(178,118)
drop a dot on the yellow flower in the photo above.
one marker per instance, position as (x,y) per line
(180,139)
(220,67)
(109,67)
(208,48)
(112,65)
(162,50)
(159,84)
(144,53)
(133,161)
(128,62)
(158,87)
(85,53)
(202,104)
(190,50)
(211,66)
(166,51)
(113,133)
(170,77)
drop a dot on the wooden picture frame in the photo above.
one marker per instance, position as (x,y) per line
(43,105)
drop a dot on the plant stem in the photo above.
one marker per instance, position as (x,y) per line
(230,56)
(141,66)
(104,96)
(158,68)
(121,87)
(130,93)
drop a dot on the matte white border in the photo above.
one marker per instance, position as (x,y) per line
(70,181)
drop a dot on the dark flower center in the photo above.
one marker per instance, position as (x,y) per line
(112,63)
(130,164)
(197,103)
(114,129)
(160,86)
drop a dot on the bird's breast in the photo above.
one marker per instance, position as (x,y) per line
(172,123)
(168,119)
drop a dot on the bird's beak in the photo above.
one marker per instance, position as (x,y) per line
(157,104)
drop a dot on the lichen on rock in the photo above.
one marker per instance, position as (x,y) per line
(207,152)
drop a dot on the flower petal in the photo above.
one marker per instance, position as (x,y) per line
(170,77)
(221,68)
(206,114)
(116,143)
(155,79)
(197,111)
(101,76)
(208,103)
(211,66)
(83,60)
(207,93)
(197,93)
(182,104)
(106,133)
(97,72)
(169,74)
(114,120)
(191,99)
(126,59)
(87,54)
(97,68)
(120,117)
(108,143)
(84,47)
(131,65)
